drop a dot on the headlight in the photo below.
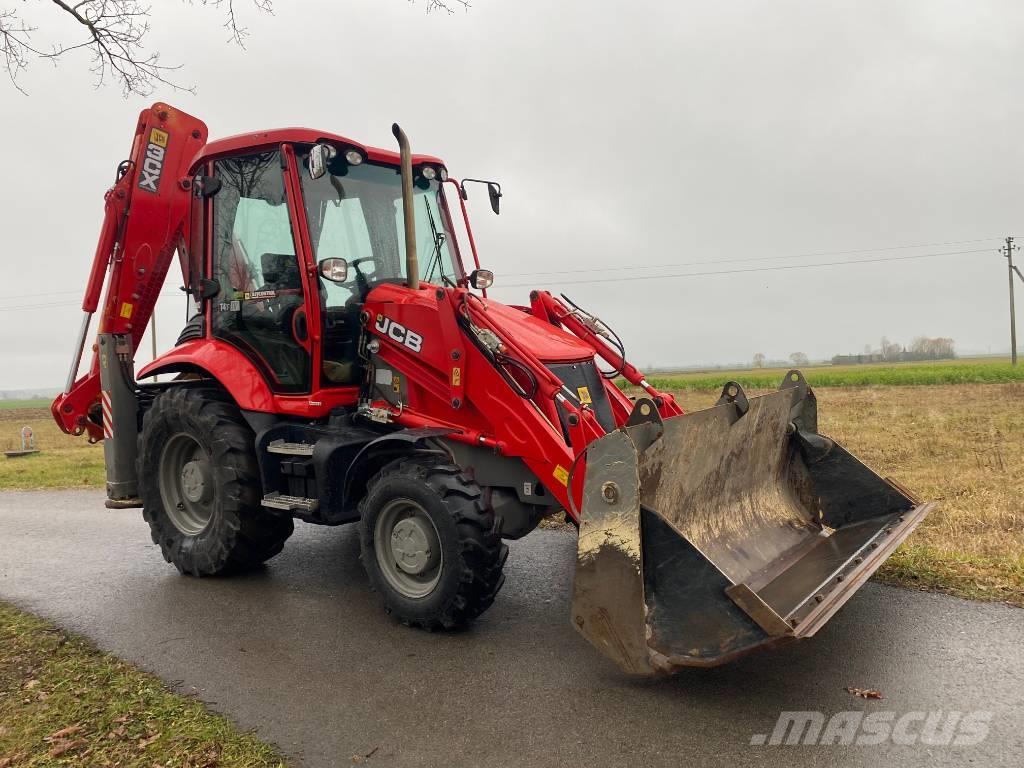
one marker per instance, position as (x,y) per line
(354,157)
(444,173)
(481,279)
(429,172)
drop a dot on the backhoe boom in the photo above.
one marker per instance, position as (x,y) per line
(145,220)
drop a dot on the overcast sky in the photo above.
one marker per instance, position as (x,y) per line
(625,136)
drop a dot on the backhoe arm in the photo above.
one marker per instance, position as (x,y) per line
(145,220)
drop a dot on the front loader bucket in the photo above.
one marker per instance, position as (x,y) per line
(707,535)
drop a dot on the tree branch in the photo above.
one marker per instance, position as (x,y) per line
(445,6)
(114,31)
(14,44)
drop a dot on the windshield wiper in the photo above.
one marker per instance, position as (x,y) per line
(436,260)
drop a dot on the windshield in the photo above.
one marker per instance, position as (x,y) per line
(355,213)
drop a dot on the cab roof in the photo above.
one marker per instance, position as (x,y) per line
(262,140)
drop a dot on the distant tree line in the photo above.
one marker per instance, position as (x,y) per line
(921,348)
(797,358)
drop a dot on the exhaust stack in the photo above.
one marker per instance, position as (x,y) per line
(412,264)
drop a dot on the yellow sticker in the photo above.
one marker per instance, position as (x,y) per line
(158,137)
(584,394)
(456,376)
(396,384)
(561,474)
(126,310)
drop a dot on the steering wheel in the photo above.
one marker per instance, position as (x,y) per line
(362,283)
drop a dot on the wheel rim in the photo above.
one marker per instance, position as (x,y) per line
(408,548)
(186,484)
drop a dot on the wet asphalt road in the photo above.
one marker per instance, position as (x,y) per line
(301,652)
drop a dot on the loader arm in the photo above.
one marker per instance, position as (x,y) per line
(145,220)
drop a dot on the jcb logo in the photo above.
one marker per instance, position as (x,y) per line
(153,164)
(399,333)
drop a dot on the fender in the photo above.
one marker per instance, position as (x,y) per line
(377,452)
(223,362)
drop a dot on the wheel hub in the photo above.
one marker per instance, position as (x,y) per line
(411,545)
(195,483)
(187,486)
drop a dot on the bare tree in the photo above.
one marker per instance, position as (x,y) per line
(890,350)
(924,348)
(759,359)
(115,33)
(799,359)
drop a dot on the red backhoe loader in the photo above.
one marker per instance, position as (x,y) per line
(341,365)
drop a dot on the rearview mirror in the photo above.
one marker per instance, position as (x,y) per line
(494,192)
(206,186)
(335,270)
(319,158)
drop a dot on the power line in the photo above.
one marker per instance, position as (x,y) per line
(775,268)
(38,295)
(758,258)
(10,296)
(65,304)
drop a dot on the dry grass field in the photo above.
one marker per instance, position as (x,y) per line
(961,445)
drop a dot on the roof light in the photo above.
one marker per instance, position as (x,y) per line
(429,172)
(354,157)
(444,173)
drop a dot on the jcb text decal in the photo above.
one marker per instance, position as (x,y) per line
(399,333)
(153,163)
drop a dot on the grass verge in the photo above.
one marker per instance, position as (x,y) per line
(63,461)
(928,568)
(62,702)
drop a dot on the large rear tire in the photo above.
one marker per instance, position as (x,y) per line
(430,545)
(201,486)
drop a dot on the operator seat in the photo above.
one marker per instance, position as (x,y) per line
(273,318)
(340,339)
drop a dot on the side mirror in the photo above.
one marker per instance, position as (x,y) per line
(319,158)
(335,270)
(206,186)
(481,279)
(493,192)
(204,289)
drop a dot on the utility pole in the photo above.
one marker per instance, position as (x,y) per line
(1008,253)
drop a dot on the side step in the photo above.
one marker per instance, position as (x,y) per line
(292,504)
(290,449)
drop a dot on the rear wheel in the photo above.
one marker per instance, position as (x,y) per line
(200,485)
(430,545)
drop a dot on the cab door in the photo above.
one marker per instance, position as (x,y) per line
(261,305)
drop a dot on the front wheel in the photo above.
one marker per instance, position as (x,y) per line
(430,545)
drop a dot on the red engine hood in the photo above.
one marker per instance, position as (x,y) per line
(549,343)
